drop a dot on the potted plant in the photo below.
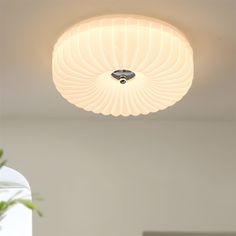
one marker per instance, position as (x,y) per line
(5,206)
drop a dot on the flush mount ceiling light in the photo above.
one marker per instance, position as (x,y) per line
(122,65)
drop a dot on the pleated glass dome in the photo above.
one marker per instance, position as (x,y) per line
(122,65)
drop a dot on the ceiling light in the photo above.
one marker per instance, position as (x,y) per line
(122,65)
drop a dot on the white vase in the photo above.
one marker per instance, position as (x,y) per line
(18,220)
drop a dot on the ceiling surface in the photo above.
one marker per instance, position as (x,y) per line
(29,30)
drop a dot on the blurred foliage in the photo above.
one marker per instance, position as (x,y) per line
(5,206)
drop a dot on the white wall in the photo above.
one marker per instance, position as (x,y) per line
(120,178)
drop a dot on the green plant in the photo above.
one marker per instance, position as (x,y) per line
(2,162)
(14,200)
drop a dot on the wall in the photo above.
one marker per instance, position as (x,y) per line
(121,178)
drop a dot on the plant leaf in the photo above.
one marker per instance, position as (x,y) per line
(1,153)
(3,163)
(30,205)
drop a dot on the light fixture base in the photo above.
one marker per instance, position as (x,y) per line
(123,75)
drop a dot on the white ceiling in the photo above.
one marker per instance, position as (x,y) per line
(28,30)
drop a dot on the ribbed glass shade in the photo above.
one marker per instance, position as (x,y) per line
(86,55)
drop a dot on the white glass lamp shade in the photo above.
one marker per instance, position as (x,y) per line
(156,54)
